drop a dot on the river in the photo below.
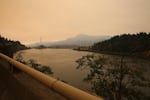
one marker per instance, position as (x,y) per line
(62,63)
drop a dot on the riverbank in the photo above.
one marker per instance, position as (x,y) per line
(143,55)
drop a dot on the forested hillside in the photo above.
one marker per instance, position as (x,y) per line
(9,47)
(124,43)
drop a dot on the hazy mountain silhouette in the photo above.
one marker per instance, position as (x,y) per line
(79,40)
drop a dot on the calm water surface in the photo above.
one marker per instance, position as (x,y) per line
(62,63)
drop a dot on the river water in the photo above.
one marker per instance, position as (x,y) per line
(62,63)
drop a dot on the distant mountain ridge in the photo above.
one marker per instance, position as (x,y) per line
(79,40)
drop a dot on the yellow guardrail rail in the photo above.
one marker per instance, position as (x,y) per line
(62,88)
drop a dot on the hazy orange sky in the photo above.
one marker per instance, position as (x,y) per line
(28,20)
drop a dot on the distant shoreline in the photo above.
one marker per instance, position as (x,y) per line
(136,55)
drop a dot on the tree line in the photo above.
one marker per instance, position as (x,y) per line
(124,43)
(9,47)
(118,78)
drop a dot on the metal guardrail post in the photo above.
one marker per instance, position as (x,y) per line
(63,89)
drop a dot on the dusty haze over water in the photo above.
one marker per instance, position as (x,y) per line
(28,20)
